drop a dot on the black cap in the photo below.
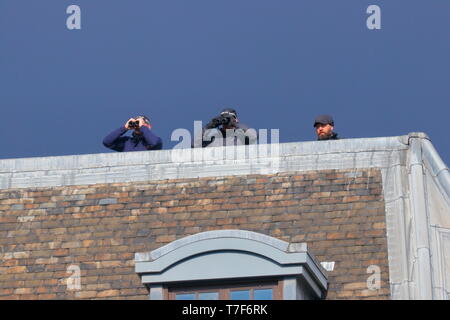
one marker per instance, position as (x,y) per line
(229,110)
(324,119)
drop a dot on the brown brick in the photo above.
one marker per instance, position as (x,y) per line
(109,264)
(165,238)
(355,286)
(379,225)
(375,233)
(43,289)
(316,236)
(23,291)
(8,219)
(49,296)
(108,293)
(71,244)
(240,220)
(224,221)
(299,238)
(21,255)
(51,260)
(335,235)
(6,292)
(86,294)
(17,269)
(345,294)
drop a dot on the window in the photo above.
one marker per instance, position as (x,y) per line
(238,291)
(231,265)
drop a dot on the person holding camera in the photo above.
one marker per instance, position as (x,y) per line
(141,139)
(225,129)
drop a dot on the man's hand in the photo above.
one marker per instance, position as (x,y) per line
(141,122)
(215,122)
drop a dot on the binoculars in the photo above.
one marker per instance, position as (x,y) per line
(133,124)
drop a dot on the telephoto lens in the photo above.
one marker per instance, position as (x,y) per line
(226,120)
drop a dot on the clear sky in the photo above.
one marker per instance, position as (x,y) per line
(278,62)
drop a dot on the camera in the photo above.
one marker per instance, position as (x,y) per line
(133,124)
(226,119)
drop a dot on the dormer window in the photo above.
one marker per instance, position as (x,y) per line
(231,265)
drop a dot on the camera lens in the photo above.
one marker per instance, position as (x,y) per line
(226,120)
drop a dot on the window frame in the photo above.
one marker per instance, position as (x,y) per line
(225,288)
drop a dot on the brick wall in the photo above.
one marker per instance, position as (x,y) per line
(44,231)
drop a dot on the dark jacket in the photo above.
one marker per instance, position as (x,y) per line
(241,133)
(334,136)
(145,141)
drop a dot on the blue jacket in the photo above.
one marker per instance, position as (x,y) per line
(145,141)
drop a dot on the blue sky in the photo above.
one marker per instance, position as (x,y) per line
(278,62)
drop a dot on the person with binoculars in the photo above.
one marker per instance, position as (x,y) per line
(141,139)
(225,129)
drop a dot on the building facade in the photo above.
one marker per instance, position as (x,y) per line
(346,219)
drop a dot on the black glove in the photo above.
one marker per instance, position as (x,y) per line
(214,123)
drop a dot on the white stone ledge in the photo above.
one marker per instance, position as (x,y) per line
(160,165)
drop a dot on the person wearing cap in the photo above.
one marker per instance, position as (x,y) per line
(228,127)
(141,139)
(324,126)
